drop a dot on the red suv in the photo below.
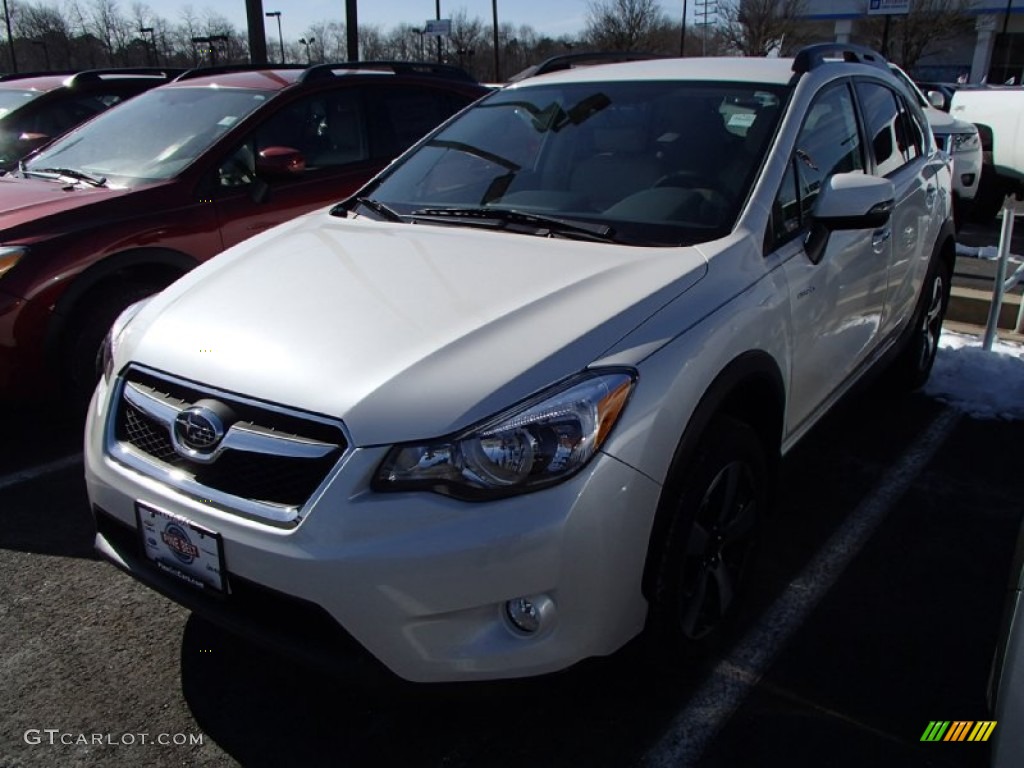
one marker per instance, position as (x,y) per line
(37,107)
(130,201)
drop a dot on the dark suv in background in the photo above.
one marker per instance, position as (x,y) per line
(36,107)
(127,203)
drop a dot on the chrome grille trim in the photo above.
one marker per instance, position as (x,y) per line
(241,436)
(249,439)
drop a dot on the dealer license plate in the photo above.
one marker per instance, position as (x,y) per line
(181,548)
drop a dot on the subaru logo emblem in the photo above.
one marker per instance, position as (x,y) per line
(198,429)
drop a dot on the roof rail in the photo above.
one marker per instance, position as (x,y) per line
(429,69)
(23,75)
(96,75)
(813,56)
(191,74)
(585,58)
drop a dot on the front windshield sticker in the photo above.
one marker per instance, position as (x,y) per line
(227,121)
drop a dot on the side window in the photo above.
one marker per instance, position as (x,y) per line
(328,129)
(828,143)
(913,131)
(300,125)
(886,126)
(402,115)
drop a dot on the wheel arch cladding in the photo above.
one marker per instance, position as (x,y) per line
(749,389)
(160,266)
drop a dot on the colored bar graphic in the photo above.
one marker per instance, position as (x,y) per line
(982,730)
(935,731)
(958,730)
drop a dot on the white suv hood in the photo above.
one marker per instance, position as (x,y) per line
(404,331)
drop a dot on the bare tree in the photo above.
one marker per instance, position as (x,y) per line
(929,24)
(624,25)
(761,27)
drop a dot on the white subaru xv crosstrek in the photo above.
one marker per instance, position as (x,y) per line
(524,396)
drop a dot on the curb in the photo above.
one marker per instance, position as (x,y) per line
(970,305)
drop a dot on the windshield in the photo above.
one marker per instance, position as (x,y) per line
(11,99)
(151,137)
(654,163)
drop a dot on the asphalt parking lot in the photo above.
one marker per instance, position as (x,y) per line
(876,611)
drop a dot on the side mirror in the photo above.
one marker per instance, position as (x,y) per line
(937,100)
(279,162)
(849,201)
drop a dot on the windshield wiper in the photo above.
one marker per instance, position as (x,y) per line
(66,173)
(384,211)
(547,226)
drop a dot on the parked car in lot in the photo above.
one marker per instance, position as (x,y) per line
(129,202)
(996,110)
(524,396)
(38,107)
(957,137)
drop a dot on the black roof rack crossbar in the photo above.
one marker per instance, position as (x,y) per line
(222,69)
(813,56)
(96,75)
(426,68)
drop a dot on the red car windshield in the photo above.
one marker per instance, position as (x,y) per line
(151,137)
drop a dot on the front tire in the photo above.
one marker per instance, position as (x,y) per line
(914,364)
(716,502)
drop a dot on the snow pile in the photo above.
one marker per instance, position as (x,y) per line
(985,385)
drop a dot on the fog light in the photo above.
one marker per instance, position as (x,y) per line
(530,614)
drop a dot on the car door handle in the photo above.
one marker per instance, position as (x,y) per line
(930,193)
(879,238)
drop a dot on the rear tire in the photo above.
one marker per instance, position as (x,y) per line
(717,501)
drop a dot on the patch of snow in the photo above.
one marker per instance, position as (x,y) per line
(984,385)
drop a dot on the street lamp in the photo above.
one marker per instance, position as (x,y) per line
(307,43)
(46,52)
(152,42)
(280,37)
(10,38)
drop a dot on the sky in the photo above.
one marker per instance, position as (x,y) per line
(964,373)
(550,17)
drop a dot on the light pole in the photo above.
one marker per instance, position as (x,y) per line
(46,52)
(437,6)
(280,37)
(10,38)
(497,63)
(152,42)
(307,43)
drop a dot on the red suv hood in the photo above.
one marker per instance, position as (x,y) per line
(26,200)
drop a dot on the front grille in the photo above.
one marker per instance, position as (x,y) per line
(258,476)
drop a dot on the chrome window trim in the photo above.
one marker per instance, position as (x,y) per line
(279,515)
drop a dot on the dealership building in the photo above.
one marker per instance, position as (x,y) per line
(993,51)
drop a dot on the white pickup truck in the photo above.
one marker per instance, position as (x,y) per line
(998,113)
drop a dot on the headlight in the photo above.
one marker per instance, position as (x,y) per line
(9,256)
(533,445)
(964,142)
(113,337)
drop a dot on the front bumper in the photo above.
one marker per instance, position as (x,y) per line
(966,172)
(419,580)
